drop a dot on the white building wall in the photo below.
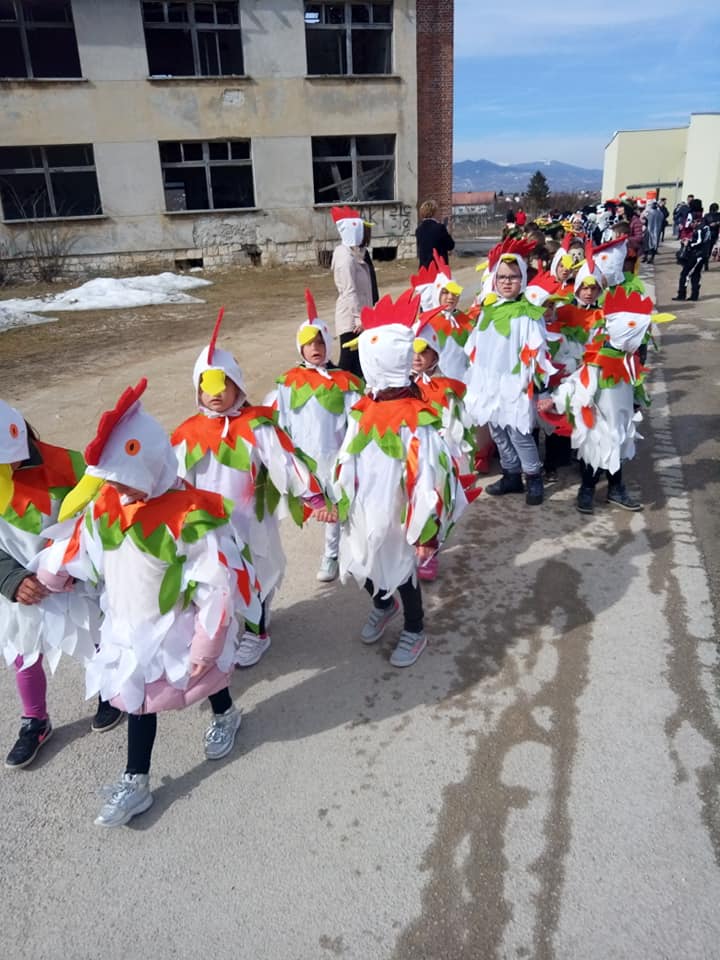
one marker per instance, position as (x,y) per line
(702,166)
(124,115)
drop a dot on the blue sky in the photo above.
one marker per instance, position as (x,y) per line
(554,81)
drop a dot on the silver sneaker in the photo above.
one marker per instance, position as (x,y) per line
(329,569)
(251,648)
(376,622)
(125,800)
(408,649)
(220,735)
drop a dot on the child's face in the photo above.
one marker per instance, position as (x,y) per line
(508,280)
(220,402)
(127,494)
(588,294)
(562,272)
(425,361)
(448,301)
(315,352)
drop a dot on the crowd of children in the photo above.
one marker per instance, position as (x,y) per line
(153,560)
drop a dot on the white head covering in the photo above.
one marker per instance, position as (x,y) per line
(610,258)
(627,319)
(130,447)
(386,343)
(13,435)
(221,360)
(350,225)
(309,329)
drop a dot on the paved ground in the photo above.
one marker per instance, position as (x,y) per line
(542,784)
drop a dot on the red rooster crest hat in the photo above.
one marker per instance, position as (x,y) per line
(386,343)
(350,225)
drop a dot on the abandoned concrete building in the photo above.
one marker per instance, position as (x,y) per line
(173,133)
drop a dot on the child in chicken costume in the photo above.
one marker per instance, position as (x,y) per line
(173,576)
(600,398)
(395,487)
(313,400)
(237,450)
(37,625)
(440,294)
(509,362)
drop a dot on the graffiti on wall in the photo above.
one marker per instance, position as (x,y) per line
(391,220)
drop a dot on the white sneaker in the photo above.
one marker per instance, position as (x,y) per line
(125,800)
(220,735)
(329,569)
(251,648)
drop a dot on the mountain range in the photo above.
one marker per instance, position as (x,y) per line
(514,177)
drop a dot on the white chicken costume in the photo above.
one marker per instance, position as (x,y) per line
(599,398)
(172,573)
(396,484)
(453,327)
(30,497)
(313,401)
(508,352)
(243,455)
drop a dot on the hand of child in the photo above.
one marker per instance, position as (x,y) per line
(545,405)
(31,591)
(198,670)
(323,515)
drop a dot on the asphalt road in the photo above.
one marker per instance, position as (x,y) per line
(542,784)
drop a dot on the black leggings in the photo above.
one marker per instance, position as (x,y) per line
(411,598)
(142,728)
(589,476)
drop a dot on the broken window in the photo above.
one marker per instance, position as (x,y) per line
(40,182)
(202,175)
(348,38)
(193,39)
(354,169)
(37,39)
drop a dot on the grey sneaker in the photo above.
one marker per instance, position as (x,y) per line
(408,649)
(376,622)
(220,735)
(328,571)
(125,800)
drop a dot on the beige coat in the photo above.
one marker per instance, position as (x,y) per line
(352,281)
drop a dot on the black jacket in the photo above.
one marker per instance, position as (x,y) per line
(432,235)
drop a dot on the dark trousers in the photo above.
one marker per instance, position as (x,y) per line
(589,476)
(693,272)
(349,359)
(142,729)
(411,598)
(558,451)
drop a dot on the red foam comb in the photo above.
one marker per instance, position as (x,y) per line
(511,248)
(589,256)
(424,275)
(619,301)
(404,311)
(566,241)
(610,244)
(345,213)
(442,266)
(216,331)
(311,308)
(110,419)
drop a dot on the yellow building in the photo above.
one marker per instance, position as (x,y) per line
(675,162)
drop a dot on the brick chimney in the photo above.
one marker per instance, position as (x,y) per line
(435,102)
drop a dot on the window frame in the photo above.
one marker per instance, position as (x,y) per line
(353,157)
(24,26)
(347,26)
(194,27)
(207,163)
(46,170)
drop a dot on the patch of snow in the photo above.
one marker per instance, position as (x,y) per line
(109,293)
(17,318)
